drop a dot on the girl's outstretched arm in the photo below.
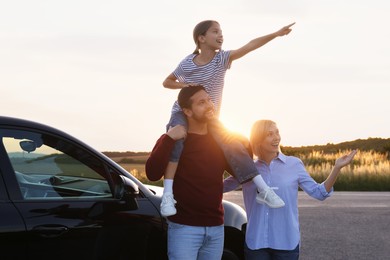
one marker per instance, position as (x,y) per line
(258,42)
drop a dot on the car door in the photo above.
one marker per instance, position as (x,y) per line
(12,228)
(67,196)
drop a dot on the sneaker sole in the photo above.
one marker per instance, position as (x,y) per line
(269,205)
(168,214)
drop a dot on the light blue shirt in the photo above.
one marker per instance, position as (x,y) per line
(277,228)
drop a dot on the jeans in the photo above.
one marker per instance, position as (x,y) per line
(237,155)
(194,243)
(271,254)
(177,118)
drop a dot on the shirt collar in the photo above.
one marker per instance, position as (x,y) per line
(281,156)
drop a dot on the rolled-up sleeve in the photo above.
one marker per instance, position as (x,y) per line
(230,184)
(309,185)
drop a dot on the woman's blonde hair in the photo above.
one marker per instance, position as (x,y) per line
(258,134)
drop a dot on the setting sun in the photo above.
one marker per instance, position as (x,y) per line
(236,125)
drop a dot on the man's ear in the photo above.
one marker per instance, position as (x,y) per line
(187,112)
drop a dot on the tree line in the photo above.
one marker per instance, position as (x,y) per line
(379,145)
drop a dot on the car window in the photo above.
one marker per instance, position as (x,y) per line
(49,167)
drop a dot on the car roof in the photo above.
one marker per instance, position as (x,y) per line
(19,122)
(14,121)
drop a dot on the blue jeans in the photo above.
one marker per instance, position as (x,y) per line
(177,118)
(236,154)
(271,254)
(194,243)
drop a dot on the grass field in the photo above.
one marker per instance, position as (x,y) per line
(369,171)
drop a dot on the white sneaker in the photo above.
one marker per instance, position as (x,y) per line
(269,197)
(167,207)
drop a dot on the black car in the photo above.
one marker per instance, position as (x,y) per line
(62,199)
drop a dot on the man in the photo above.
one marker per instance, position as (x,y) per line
(196,231)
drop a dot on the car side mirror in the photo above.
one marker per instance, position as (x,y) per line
(125,187)
(127,190)
(130,187)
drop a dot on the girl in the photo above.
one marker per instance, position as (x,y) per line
(207,66)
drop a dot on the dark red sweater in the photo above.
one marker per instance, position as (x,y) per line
(198,183)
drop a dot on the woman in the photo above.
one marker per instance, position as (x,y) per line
(274,233)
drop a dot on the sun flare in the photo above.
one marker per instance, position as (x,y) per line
(236,125)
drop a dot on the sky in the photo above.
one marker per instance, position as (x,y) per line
(95,68)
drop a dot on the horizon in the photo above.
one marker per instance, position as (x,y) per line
(288,146)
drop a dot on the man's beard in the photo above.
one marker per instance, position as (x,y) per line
(202,118)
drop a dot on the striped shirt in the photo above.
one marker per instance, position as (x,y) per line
(210,75)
